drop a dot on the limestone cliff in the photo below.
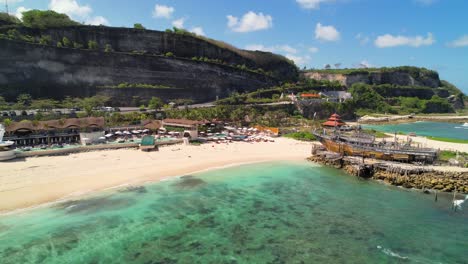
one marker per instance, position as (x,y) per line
(46,71)
(158,42)
(401,76)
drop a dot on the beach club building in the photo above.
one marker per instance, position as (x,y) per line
(30,133)
(190,127)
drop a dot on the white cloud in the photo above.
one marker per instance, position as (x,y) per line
(365,64)
(71,8)
(298,60)
(311,4)
(251,21)
(76,11)
(313,49)
(363,40)
(198,30)
(287,48)
(19,12)
(277,48)
(179,23)
(162,11)
(460,42)
(326,33)
(387,41)
(97,20)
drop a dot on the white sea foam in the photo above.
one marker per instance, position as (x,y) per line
(458,203)
(390,253)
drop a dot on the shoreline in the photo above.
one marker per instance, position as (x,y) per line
(91,193)
(41,181)
(402,119)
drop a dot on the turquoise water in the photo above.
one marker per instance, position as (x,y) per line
(263,213)
(434,129)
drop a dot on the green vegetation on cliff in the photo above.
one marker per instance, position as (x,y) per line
(137,85)
(7,19)
(374,99)
(415,72)
(45,19)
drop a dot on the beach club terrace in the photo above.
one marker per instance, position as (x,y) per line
(27,133)
(190,127)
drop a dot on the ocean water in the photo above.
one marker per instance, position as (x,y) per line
(434,129)
(286,212)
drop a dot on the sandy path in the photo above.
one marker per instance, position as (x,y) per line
(39,180)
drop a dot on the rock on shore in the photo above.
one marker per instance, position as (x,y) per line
(448,181)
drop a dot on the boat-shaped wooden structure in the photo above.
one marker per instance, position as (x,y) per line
(364,145)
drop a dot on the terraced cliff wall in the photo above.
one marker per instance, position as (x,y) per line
(50,72)
(397,77)
(158,42)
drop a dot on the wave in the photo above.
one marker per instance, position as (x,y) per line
(458,203)
(390,253)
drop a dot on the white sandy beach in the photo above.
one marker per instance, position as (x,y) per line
(428,143)
(39,180)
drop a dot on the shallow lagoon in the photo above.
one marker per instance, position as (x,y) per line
(432,129)
(262,213)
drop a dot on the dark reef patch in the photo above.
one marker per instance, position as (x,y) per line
(134,189)
(189,182)
(94,205)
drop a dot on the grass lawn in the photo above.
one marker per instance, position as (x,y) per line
(452,140)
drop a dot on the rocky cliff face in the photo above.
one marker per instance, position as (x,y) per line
(45,71)
(396,77)
(157,42)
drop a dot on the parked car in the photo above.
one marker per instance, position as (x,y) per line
(12,113)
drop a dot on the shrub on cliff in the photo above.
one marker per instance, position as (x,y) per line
(45,40)
(108,48)
(67,43)
(93,45)
(437,105)
(7,19)
(77,45)
(138,26)
(44,19)
(367,98)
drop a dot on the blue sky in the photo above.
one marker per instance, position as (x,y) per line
(427,33)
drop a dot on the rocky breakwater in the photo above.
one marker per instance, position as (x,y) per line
(404,175)
(437,180)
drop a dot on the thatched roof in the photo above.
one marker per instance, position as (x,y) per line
(152,124)
(78,123)
(182,122)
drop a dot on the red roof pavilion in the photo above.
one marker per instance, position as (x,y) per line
(334,121)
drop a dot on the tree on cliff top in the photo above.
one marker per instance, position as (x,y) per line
(7,19)
(44,19)
(138,26)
